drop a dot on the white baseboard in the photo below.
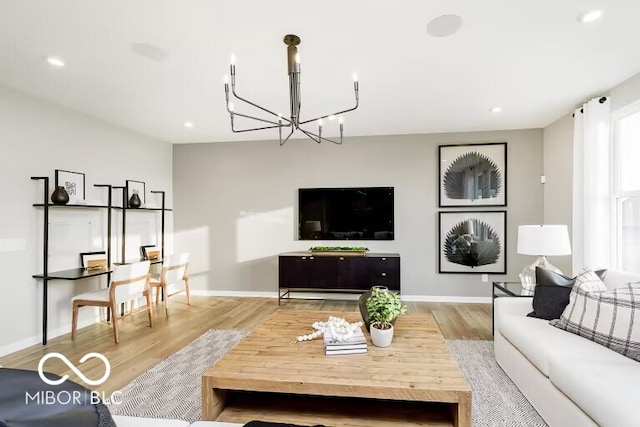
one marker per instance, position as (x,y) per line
(249,294)
(339,296)
(51,333)
(456,299)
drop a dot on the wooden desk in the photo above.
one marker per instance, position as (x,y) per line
(414,382)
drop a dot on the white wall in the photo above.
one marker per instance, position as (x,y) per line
(38,137)
(625,93)
(236,204)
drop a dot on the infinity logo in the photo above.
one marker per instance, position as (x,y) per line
(74,369)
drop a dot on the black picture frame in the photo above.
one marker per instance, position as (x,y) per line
(472,242)
(136,185)
(472,175)
(100,256)
(145,250)
(73,183)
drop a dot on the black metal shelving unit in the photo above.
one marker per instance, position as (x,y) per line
(81,273)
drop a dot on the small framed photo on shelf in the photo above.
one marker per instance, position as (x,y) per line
(136,188)
(150,252)
(473,242)
(473,175)
(73,183)
(94,260)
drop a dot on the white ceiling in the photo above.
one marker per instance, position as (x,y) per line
(532,58)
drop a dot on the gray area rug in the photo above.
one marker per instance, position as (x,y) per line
(171,389)
(496,401)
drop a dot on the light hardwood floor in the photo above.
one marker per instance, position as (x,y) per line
(142,347)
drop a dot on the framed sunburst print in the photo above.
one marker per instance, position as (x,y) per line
(473,175)
(473,242)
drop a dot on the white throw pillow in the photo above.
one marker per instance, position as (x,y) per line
(608,317)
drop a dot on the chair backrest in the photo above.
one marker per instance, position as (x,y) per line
(174,268)
(129,281)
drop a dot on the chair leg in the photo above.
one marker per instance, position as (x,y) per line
(157,289)
(74,321)
(114,321)
(147,296)
(166,299)
(186,288)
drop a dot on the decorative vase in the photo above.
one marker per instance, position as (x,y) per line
(134,201)
(381,337)
(362,304)
(60,196)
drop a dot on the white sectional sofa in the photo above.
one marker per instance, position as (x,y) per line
(570,380)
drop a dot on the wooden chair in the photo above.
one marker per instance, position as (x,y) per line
(128,282)
(171,278)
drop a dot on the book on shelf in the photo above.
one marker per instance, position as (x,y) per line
(330,352)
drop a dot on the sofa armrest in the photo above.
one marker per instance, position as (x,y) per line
(512,306)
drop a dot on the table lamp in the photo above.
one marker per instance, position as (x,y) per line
(312,229)
(542,241)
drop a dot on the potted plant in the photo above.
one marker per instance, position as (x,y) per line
(383,307)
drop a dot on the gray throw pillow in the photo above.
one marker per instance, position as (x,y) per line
(551,294)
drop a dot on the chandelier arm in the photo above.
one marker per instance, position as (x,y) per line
(318,138)
(276,124)
(328,115)
(287,138)
(233,90)
(252,129)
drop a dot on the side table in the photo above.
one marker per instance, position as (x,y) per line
(505,289)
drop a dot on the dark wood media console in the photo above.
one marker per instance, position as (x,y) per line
(310,272)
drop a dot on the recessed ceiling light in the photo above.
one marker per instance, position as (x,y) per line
(496,110)
(590,16)
(445,25)
(56,62)
(188,125)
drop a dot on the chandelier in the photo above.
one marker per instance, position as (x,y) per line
(294,121)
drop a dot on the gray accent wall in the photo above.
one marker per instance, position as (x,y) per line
(236,205)
(37,138)
(558,189)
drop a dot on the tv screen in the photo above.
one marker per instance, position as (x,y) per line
(345,213)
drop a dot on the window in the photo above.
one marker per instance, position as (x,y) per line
(626,189)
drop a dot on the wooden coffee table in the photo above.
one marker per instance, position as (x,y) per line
(414,382)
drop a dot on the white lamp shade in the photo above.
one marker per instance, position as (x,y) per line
(545,240)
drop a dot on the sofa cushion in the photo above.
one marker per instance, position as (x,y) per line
(606,390)
(538,341)
(610,318)
(551,294)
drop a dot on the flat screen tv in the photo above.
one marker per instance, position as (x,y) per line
(345,213)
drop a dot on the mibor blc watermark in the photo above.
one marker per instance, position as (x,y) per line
(75,397)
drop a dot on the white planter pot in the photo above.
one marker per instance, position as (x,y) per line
(381,337)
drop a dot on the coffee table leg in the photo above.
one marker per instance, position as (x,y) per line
(213,400)
(462,410)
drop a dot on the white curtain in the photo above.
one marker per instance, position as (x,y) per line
(591,185)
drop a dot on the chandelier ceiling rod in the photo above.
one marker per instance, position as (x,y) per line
(293,122)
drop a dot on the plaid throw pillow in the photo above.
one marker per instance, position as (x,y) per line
(610,318)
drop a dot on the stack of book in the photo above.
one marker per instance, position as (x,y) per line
(356,344)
